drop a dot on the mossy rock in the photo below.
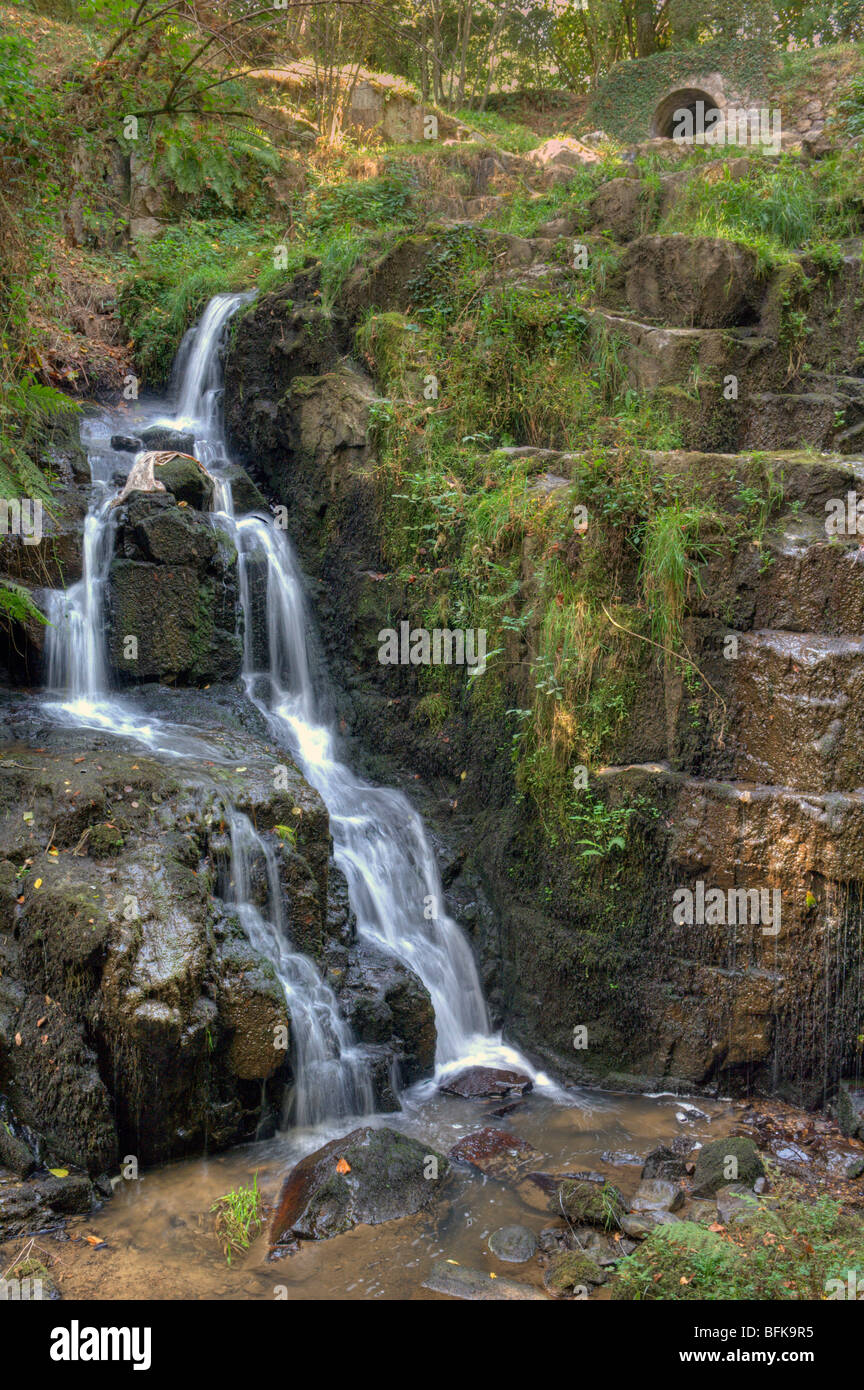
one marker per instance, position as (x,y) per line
(589,1204)
(188,481)
(571,1271)
(735,1159)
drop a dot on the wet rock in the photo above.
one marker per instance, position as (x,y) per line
(127,443)
(513,1244)
(638,1225)
(702,1209)
(252,1006)
(246,496)
(496,1152)
(735,1201)
(849,1107)
(172,587)
(664,1163)
(477,1082)
(476,1286)
(654,1194)
(369,1176)
(855,1169)
(571,1273)
(46,552)
(28,1207)
(589,1204)
(146,1021)
(384,1001)
(735,1158)
(622,1158)
(187,481)
(15,1154)
(163,437)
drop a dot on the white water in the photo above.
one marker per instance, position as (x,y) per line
(379,840)
(330,1071)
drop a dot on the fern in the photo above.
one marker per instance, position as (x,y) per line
(16,605)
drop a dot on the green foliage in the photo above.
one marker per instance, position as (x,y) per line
(787,1249)
(367,203)
(16,605)
(777,209)
(239,1218)
(213,165)
(30,414)
(177,274)
(675,543)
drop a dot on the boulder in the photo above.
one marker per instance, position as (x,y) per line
(172,586)
(664,1163)
(127,443)
(513,1244)
(159,437)
(246,496)
(735,1159)
(639,1225)
(621,207)
(849,1108)
(685,281)
(563,153)
(187,481)
(365,1178)
(655,1194)
(384,1001)
(477,1082)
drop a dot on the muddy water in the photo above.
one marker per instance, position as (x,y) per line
(160,1242)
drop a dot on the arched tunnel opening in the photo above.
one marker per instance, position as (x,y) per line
(700,104)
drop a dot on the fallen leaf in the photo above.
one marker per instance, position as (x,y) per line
(343,1166)
(41,1020)
(38,883)
(59,1172)
(716,1227)
(17,1039)
(94,1240)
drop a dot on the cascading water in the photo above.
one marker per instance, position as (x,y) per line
(379,840)
(331,1077)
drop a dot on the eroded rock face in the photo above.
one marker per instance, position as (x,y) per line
(135,1016)
(370,1176)
(698,282)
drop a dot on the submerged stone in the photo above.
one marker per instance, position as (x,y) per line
(496,1152)
(476,1285)
(513,1244)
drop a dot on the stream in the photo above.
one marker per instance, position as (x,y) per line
(157,1230)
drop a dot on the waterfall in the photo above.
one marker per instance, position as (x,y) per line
(331,1078)
(379,840)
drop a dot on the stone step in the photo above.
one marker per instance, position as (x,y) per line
(667,356)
